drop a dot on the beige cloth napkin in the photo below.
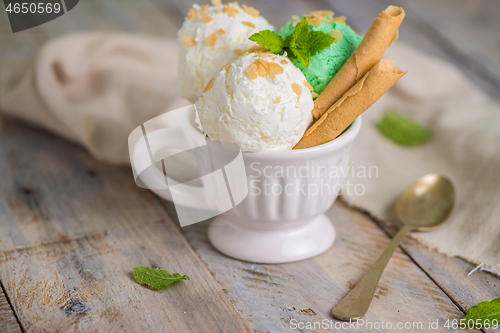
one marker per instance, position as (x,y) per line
(465,147)
(95,88)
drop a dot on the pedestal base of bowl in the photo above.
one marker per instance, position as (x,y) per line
(272,246)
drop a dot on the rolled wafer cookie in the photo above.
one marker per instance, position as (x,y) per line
(354,102)
(382,33)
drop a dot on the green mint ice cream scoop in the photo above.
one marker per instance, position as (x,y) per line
(325,64)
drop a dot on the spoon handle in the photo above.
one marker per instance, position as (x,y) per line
(356,303)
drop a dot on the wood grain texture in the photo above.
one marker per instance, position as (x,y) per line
(468,32)
(440,28)
(71,231)
(52,190)
(8,322)
(86,224)
(271,297)
(86,284)
(450,273)
(461,32)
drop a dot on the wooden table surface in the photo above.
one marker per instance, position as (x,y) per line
(72,228)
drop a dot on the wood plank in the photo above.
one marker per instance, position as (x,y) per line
(53,190)
(72,229)
(449,273)
(17,47)
(124,16)
(448,24)
(360,20)
(272,297)
(86,284)
(130,16)
(32,203)
(277,12)
(8,321)
(440,28)
(436,27)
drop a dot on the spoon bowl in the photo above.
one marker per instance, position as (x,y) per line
(427,203)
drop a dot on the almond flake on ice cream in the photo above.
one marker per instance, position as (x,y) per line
(315,21)
(211,40)
(261,70)
(226,66)
(251,11)
(188,42)
(308,86)
(255,112)
(252,72)
(248,24)
(209,85)
(192,14)
(201,52)
(205,19)
(336,34)
(340,19)
(274,69)
(257,48)
(230,11)
(263,62)
(296,88)
(323,13)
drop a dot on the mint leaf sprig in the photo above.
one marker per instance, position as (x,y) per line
(301,44)
(269,40)
(484,313)
(156,279)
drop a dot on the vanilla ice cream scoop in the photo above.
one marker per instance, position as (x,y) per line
(212,36)
(260,102)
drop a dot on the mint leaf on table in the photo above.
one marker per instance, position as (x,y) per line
(269,40)
(156,279)
(486,312)
(302,44)
(402,130)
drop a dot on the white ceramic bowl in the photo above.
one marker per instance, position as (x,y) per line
(285,222)
(281,219)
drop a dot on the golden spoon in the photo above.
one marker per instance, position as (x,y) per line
(425,205)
